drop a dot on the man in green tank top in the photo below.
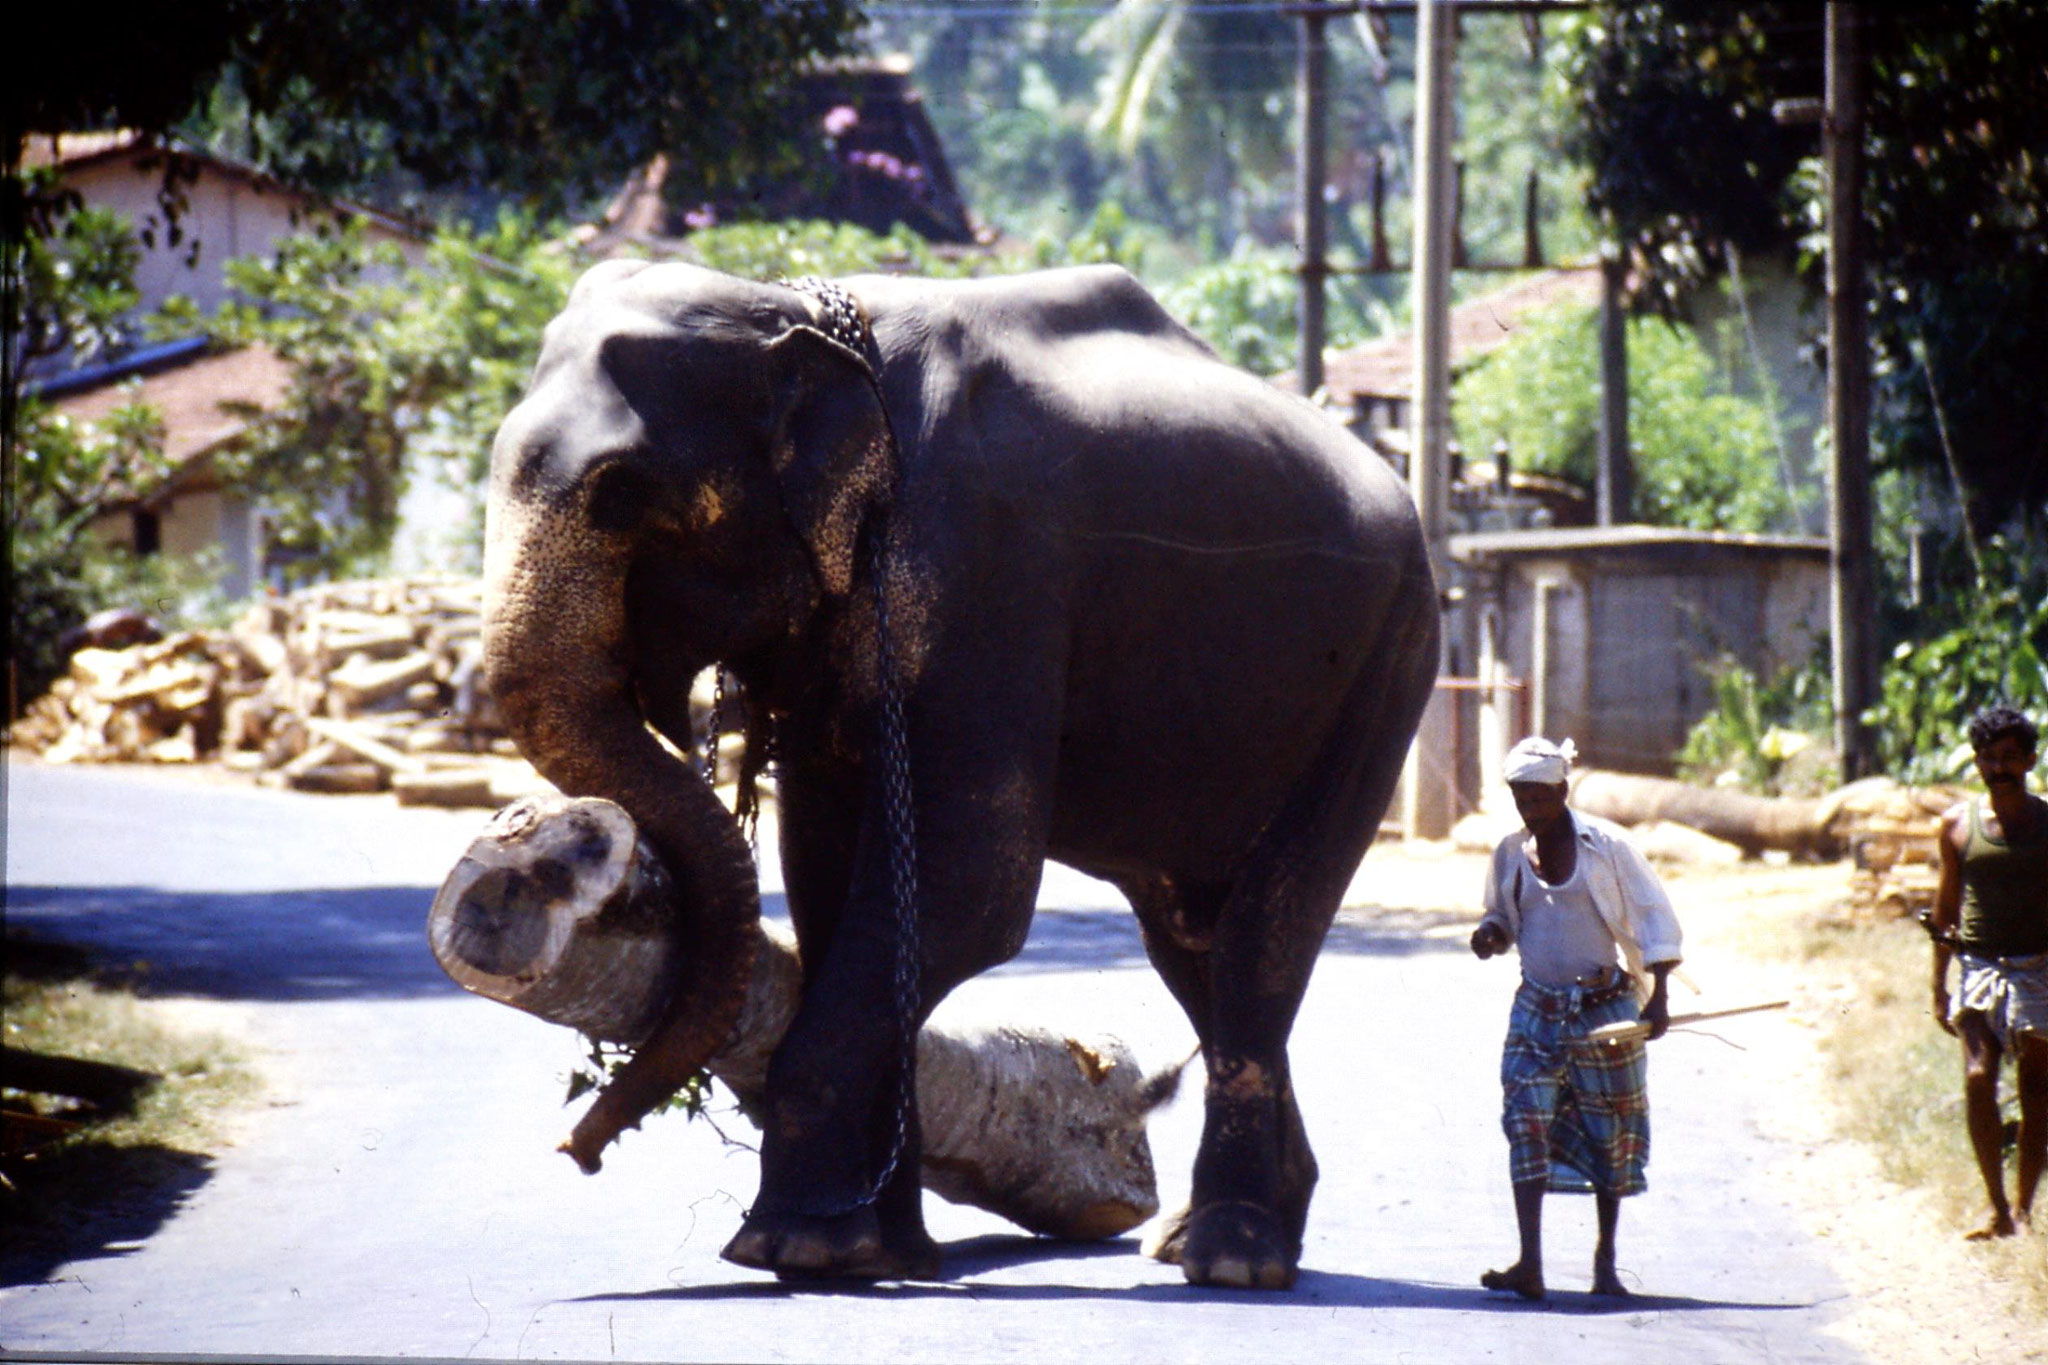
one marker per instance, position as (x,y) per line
(1991,915)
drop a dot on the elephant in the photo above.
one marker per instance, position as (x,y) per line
(1006,569)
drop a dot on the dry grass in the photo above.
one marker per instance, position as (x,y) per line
(119,1173)
(1896,1078)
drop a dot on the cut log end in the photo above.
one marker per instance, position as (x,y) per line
(557,909)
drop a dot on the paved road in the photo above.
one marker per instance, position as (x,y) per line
(398,1193)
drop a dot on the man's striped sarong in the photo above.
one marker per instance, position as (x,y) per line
(1576,1113)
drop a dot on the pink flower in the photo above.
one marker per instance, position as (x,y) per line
(840,119)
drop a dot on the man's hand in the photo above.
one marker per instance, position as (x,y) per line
(1489,938)
(1941,1009)
(1657,1010)
(1657,1014)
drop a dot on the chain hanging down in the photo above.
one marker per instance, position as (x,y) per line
(899,819)
(846,324)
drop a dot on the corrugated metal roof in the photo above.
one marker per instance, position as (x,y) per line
(1582,540)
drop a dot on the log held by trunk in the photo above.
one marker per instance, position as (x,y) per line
(561,909)
(557,909)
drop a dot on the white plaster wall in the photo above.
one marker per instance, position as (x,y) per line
(226,216)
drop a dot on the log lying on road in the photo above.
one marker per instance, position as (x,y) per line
(561,909)
(1751,823)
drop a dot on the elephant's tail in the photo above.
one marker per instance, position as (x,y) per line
(1160,1088)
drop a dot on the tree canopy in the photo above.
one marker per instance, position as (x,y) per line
(544,100)
(1955,201)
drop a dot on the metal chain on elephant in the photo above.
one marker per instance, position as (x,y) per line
(846,324)
(712,723)
(899,818)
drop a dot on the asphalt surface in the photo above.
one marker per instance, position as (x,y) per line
(396,1191)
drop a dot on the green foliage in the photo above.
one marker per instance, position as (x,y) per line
(546,102)
(1671,113)
(1248,306)
(1971,649)
(1184,114)
(392,367)
(602,1063)
(77,288)
(1704,457)
(1955,200)
(1767,737)
(77,285)
(786,250)
(1110,237)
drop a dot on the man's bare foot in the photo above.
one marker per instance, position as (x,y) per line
(1606,1283)
(1517,1279)
(1999,1225)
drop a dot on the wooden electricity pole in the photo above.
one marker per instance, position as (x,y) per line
(1430,784)
(1852,593)
(1614,486)
(1313,101)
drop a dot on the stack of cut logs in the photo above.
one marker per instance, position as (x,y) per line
(345,687)
(1893,835)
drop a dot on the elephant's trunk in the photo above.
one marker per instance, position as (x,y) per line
(559,666)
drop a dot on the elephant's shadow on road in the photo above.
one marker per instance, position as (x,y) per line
(276,946)
(370,943)
(1100,937)
(971,1258)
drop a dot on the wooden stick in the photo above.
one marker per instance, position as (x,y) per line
(1629,1031)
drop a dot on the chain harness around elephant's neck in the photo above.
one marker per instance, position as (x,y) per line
(846,324)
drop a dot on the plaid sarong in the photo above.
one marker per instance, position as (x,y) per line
(2010,992)
(1576,1113)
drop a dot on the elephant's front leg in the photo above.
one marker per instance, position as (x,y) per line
(840,1155)
(840,1187)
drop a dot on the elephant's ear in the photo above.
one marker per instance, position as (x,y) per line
(830,447)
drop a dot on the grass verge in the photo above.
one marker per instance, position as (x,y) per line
(123,1171)
(1897,1083)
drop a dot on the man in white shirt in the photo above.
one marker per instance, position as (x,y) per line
(1573,896)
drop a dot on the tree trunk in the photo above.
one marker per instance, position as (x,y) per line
(561,909)
(1752,823)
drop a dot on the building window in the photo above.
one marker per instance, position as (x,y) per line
(149,531)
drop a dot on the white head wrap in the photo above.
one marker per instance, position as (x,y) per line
(1536,759)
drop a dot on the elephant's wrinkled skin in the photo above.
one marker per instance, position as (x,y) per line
(1151,617)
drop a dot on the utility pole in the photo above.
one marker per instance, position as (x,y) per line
(1312,80)
(1614,487)
(1852,593)
(1430,781)
(1435,175)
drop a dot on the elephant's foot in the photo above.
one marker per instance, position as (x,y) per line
(852,1246)
(1233,1244)
(1165,1242)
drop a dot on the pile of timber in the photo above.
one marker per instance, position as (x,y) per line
(1889,832)
(365,686)
(1892,834)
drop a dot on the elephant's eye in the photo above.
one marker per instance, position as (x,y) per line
(618,498)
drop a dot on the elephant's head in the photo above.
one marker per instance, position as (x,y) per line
(684,483)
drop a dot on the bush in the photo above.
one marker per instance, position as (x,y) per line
(77,290)
(1769,737)
(1993,647)
(1704,457)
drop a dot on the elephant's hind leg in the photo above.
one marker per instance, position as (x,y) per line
(1251,1228)
(1254,1171)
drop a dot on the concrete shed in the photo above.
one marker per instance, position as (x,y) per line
(1609,635)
